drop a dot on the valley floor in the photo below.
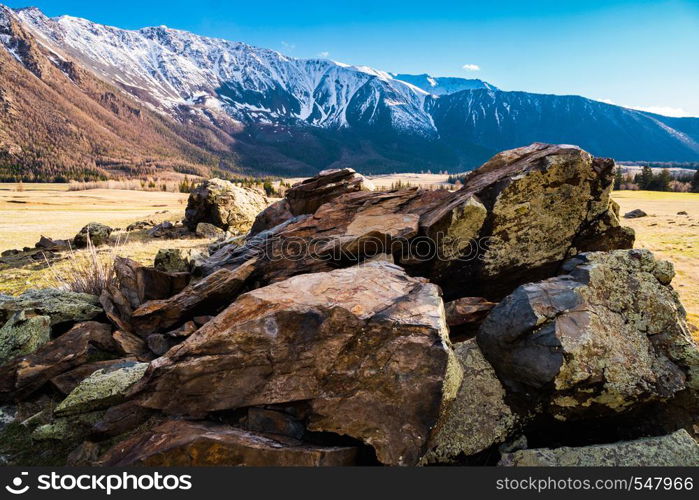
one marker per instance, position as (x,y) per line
(51,210)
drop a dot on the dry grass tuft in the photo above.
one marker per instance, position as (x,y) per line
(89,271)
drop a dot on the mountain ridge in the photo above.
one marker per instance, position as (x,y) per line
(246,109)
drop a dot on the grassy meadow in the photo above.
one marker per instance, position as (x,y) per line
(52,210)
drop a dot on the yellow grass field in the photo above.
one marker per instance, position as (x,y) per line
(669,236)
(51,210)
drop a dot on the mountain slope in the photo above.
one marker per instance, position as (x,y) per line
(503,120)
(107,99)
(59,121)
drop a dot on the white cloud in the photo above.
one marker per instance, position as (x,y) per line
(471,67)
(658,110)
(288,46)
(325,54)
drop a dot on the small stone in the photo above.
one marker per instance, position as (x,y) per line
(635,214)
(206,230)
(97,233)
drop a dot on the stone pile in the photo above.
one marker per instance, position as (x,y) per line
(358,326)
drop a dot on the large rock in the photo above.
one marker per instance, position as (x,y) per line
(22,335)
(97,233)
(305,197)
(366,347)
(101,390)
(84,343)
(174,260)
(545,204)
(677,449)
(606,336)
(61,306)
(224,205)
(479,417)
(189,444)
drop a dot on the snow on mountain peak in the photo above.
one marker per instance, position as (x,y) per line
(177,68)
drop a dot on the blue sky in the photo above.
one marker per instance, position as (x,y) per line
(634,53)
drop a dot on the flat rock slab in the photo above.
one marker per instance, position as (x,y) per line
(367,346)
(60,305)
(189,444)
(675,450)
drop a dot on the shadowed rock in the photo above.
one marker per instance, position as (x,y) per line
(366,346)
(187,444)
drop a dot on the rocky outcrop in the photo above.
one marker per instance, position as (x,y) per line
(678,449)
(186,444)
(97,233)
(516,219)
(367,347)
(606,336)
(478,417)
(307,196)
(324,339)
(225,205)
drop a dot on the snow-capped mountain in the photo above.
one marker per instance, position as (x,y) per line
(170,68)
(257,110)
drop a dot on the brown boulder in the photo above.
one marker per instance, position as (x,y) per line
(367,347)
(189,444)
(545,203)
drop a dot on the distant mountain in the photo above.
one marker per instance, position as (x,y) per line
(443,85)
(164,98)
